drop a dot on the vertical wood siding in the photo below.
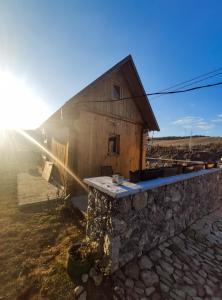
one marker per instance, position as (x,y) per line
(92,134)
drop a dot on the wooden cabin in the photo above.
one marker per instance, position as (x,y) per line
(105,124)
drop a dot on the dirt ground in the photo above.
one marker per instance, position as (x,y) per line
(203,149)
(34,242)
(185,141)
(33,248)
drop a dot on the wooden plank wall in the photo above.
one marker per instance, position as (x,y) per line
(91,124)
(102,90)
(92,134)
(60,151)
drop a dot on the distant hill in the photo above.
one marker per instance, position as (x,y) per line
(184,141)
(170,138)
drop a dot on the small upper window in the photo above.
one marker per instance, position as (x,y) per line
(114,145)
(116,93)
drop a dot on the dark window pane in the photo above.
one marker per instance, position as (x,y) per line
(116,92)
(113,145)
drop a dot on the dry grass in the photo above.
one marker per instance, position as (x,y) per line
(33,247)
(34,243)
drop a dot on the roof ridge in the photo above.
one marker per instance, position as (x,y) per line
(121,62)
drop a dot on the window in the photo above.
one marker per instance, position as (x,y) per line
(114,145)
(116,93)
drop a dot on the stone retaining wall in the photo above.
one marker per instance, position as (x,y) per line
(125,227)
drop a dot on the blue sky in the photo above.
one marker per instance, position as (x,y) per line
(61,46)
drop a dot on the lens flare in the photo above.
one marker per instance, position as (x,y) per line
(20,105)
(59,162)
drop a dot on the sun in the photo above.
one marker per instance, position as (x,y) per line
(20,107)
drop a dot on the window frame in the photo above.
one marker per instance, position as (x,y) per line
(116,138)
(114,92)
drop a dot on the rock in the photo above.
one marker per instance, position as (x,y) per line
(145,263)
(180,293)
(111,248)
(218,257)
(128,256)
(164,287)
(92,272)
(169,260)
(144,240)
(139,201)
(167,252)
(149,278)
(96,276)
(190,291)
(208,290)
(173,296)
(200,291)
(178,266)
(119,274)
(124,205)
(82,296)
(128,233)
(212,278)
(179,273)
(199,278)
(156,296)
(129,283)
(139,291)
(203,273)
(119,291)
(187,280)
(169,214)
(164,275)
(167,267)
(119,225)
(176,196)
(84,278)
(149,291)
(78,290)
(140,284)
(132,271)
(155,255)
(130,294)
(98,279)
(177,278)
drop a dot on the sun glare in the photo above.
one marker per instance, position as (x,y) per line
(20,107)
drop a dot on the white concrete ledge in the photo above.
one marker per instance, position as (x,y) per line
(105,184)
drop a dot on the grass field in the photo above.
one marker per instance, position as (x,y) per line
(33,248)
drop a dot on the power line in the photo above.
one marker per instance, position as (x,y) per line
(194,78)
(197,81)
(156,93)
(186,90)
(190,80)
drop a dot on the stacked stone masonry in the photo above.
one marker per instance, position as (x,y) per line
(125,228)
(187,266)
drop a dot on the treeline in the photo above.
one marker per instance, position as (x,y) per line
(170,138)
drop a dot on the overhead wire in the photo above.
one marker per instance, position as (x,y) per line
(155,93)
(192,81)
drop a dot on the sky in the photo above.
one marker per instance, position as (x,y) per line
(58,47)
